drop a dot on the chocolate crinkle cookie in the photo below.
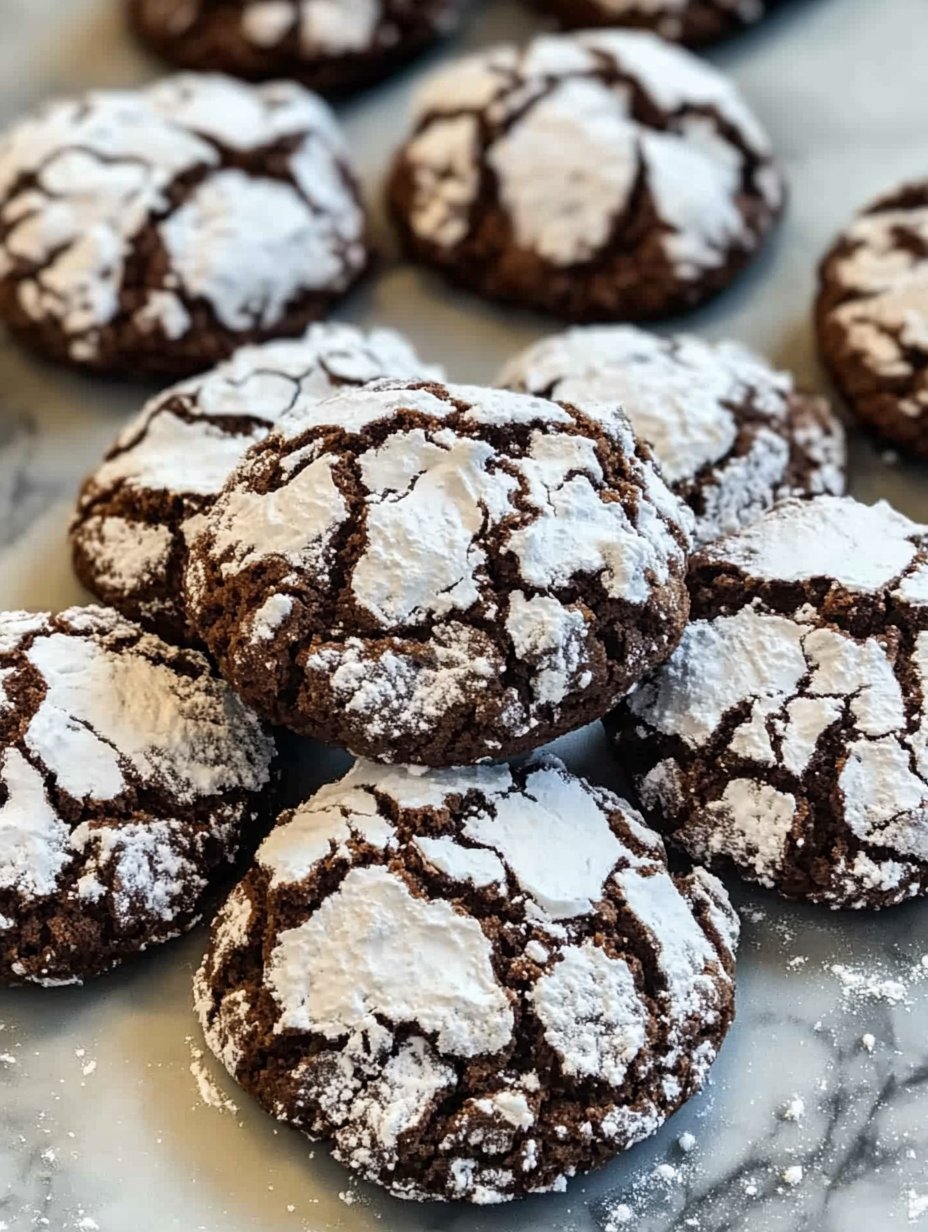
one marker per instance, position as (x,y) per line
(440,574)
(475,983)
(330,45)
(156,230)
(872,316)
(603,175)
(130,782)
(693,22)
(733,436)
(137,511)
(787,736)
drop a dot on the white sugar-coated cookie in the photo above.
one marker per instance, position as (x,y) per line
(131,778)
(872,315)
(733,435)
(473,982)
(157,229)
(787,736)
(137,511)
(602,175)
(440,574)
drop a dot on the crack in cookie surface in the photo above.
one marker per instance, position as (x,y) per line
(136,512)
(603,229)
(787,735)
(733,435)
(474,982)
(440,574)
(130,778)
(158,229)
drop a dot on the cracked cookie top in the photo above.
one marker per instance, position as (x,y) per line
(328,44)
(129,780)
(788,734)
(662,187)
(440,574)
(692,22)
(872,315)
(474,982)
(138,509)
(158,229)
(733,435)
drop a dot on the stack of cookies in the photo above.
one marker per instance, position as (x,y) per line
(470,971)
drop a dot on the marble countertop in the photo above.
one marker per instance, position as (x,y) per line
(111,1119)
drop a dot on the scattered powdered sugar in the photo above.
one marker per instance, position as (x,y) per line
(105,166)
(558,93)
(209,1091)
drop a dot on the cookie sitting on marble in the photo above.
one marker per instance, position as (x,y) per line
(787,736)
(156,230)
(733,435)
(131,780)
(692,22)
(329,45)
(138,509)
(872,316)
(475,983)
(440,574)
(602,175)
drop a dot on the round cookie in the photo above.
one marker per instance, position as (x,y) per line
(330,45)
(131,780)
(691,22)
(733,436)
(136,512)
(602,175)
(872,316)
(475,983)
(787,737)
(440,574)
(156,230)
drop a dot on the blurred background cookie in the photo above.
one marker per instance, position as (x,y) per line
(693,22)
(156,230)
(872,316)
(603,175)
(330,45)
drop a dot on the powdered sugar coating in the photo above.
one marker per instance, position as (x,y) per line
(138,510)
(128,222)
(478,160)
(129,772)
(731,433)
(446,551)
(439,1026)
(786,734)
